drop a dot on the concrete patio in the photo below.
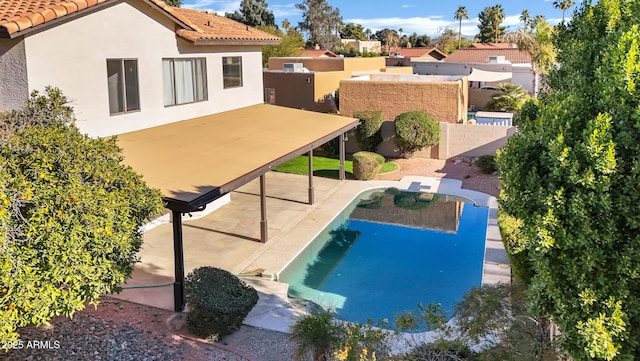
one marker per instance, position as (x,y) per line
(229,237)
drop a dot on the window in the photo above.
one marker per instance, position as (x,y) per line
(122,80)
(185,80)
(232,71)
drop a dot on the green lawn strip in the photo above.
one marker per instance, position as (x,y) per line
(324,167)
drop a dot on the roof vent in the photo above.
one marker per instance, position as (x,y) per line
(293,67)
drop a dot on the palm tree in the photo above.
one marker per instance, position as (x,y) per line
(316,333)
(525,18)
(537,41)
(563,5)
(460,14)
(497,16)
(509,98)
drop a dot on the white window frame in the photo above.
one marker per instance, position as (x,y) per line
(185,80)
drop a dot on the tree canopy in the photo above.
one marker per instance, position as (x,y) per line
(253,13)
(570,177)
(460,15)
(353,31)
(320,21)
(491,18)
(291,44)
(176,3)
(70,215)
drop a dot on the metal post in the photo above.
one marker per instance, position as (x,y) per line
(341,141)
(263,210)
(311,176)
(178,261)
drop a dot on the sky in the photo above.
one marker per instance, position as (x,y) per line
(420,16)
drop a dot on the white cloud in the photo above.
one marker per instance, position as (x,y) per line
(285,10)
(407,6)
(219,6)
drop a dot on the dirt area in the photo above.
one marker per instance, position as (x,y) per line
(137,332)
(458,168)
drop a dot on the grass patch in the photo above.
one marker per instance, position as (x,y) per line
(324,167)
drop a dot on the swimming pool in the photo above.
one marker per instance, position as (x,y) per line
(389,251)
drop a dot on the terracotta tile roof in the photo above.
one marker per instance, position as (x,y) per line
(210,28)
(490,45)
(198,26)
(472,55)
(318,53)
(420,52)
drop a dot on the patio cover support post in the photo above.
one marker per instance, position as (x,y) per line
(178,261)
(263,210)
(311,177)
(341,142)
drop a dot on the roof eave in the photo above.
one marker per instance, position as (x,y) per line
(235,42)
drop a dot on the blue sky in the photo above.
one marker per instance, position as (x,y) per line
(422,17)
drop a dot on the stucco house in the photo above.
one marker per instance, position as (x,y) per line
(128,64)
(311,83)
(404,56)
(363,46)
(503,58)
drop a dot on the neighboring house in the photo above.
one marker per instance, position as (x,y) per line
(444,98)
(404,56)
(487,57)
(363,46)
(311,83)
(128,64)
(318,53)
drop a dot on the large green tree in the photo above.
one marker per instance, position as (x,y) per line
(491,18)
(176,3)
(291,44)
(253,13)
(70,215)
(353,31)
(570,175)
(321,22)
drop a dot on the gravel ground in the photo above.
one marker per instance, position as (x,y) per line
(120,330)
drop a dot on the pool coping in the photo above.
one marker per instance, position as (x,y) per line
(275,311)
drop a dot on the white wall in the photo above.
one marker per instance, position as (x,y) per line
(14,89)
(72,56)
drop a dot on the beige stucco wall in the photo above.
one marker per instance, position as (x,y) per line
(72,56)
(478,98)
(313,64)
(468,140)
(443,101)
(14,89)
(456,140)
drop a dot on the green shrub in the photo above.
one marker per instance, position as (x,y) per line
(487,164)
(368,133)
(514,243)
(332,147)
(316,333)
(218,302)
(366,165)
(415,130)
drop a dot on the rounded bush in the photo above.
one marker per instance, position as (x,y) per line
(366,165)
(218,302)
(487,164)
(368,133)
(415,130)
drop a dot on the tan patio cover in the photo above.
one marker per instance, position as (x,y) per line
(489,76)
(195,161)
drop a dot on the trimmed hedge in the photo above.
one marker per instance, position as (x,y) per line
(366,165)
(415,130)
(368,133)
(218,302)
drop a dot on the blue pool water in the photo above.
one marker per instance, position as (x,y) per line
(390,251)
